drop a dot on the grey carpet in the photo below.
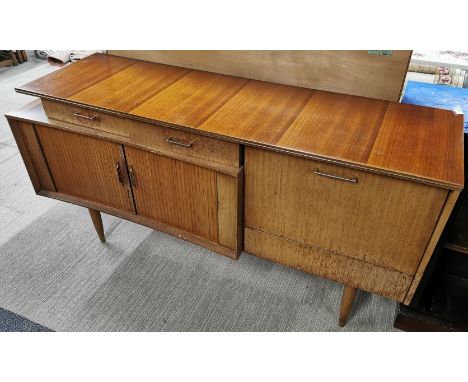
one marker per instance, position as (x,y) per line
(55,271)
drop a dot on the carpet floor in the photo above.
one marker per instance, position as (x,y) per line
(56,273)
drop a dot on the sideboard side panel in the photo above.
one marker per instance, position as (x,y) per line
(33,157)
(443,218)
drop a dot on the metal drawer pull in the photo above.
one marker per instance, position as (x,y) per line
(351,180)
(118,173)
(175,141)
(131,173)
(85,116)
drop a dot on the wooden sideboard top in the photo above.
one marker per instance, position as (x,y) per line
(414,142)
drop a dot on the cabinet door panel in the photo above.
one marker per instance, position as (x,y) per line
(378,219)
(175,193)
(84,167)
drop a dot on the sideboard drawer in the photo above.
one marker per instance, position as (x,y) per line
(163,140)
(369,217)
(87,118)
(169,141)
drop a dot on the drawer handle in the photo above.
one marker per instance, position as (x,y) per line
(175,141)
(93,118)
(118,173)
(131,173)
(351,180)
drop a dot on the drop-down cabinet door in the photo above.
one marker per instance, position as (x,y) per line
(352,226)
(86,167)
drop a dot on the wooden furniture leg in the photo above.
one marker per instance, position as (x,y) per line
(347,300)
(97,222)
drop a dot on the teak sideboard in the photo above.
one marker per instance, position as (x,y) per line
(354,189)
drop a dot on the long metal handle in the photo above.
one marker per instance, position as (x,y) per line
(351,180)
(175,141)
(131,173)
(85,116)
(118,174)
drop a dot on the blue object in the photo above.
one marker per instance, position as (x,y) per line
(439,96)
(11,322)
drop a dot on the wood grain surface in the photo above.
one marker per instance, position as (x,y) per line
(414,142)
(30,139)
(405,144)
(88,118)
(349,271)
(175,193)
(191,100)
(230,211)
(436,234)
(25,153)
(336,126)
(84,167)
(380,220)
(141,80)
(172,141)
(77,77)
(213,246)
(343,71)
(261,111)
(175,133)
(220,156)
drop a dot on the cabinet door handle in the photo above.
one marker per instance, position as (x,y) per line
(131,173)
(92,118)
(118,173)
(351,180)
(175,141)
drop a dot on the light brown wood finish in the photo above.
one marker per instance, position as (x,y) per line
(126,177)
(175,193)
(407,144)
(229,186)
(191,100)
(347,299)
(260,110)
(376,234)
(444,216)
(81,75)
(195,103)
(142,80)
(230,211)
(327,264)
(224,152)
(36,155)
(97,223)
(343,71)
(219,155)
(380,220)
(23,149)
(215,247)
(329,119)
(169,141)
(347,270)
(88,117)
(84,167)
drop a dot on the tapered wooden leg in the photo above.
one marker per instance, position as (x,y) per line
(347,300)
(97,222)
